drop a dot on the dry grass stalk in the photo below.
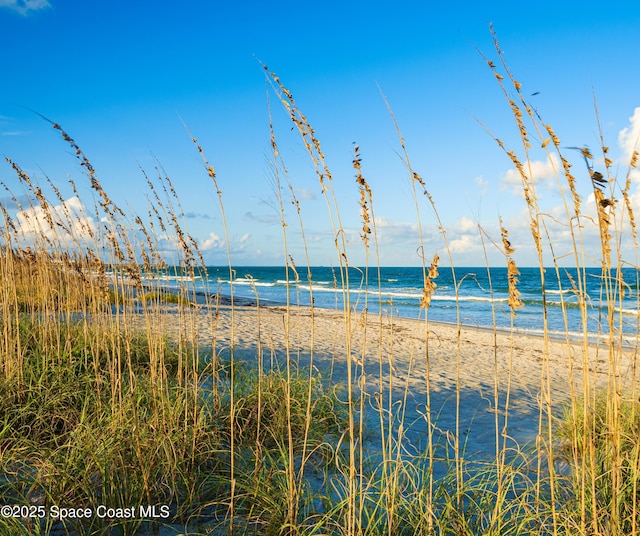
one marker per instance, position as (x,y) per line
(71,281)
(512,272)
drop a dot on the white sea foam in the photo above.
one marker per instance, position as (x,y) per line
(166,277)
(293,282)
(252,282)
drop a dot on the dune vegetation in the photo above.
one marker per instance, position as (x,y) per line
(118,394)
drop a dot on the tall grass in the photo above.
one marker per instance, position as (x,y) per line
(236,418)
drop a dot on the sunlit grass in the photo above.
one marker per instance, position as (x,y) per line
(116,391)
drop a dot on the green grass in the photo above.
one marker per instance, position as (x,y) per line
(72,434)
(604,454)
(165,297)
(69,435)
(108,400)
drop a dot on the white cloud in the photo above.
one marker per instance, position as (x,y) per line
(464,244)
(634,198)
(24,7)
(213,241)
(482,184)
(62,222)
(398,234)
(587,237)
(539,171)
(464,225)
(629,141)
(304,193)
(394,229)
(629,137)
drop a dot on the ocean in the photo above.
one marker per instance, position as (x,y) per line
(475,296)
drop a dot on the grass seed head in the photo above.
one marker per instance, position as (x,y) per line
(429,284)
(514,293)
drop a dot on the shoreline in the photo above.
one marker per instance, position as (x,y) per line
(583,351)
(204,299)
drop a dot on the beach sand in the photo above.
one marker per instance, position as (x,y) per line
(495,375)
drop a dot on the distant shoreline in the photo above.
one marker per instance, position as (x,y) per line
(203,298)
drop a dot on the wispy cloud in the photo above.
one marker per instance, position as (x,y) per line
(6,122)
(482,184)
(304,193)
(25,7)
(261,218)
(396,235)
(195,215)
(14,202)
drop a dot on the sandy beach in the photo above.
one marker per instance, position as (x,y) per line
(498,377)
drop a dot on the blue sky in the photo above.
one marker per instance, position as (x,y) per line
(121,78)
